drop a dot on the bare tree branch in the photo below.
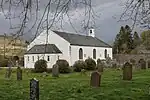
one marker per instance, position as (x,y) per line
(34,16)
(138,11)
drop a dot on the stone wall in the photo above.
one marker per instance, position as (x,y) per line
(122,58)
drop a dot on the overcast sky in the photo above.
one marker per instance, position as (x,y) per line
(107,23)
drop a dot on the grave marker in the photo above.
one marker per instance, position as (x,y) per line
(55,70)
(8,71)
(34,89)
(142,64)
(127,71)
(19,73)
(95,79)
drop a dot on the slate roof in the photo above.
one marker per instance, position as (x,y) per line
(82,40)
(42,49)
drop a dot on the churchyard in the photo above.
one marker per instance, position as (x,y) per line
(77,85)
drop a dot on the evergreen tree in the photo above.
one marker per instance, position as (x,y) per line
(136,40)
(123,41)
(145,37)
(116,46)
(119,40)
(128,38)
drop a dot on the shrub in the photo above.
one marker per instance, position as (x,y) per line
(40,66)
(4,63)
(99,61)
(91,64)
(79,65)
(63,66)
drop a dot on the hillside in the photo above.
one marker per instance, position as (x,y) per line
(10,46)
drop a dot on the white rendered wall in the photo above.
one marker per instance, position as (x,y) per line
(30,63)
(88,52)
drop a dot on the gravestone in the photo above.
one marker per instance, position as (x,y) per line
(8,71)
(100,65)
(108,61)
(95,79)
(142,64)
(133,62)
(55,70)
(34,89)
(19,73)
(127,71)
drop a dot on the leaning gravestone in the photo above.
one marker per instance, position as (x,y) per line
(34,89)
(19,73)
(55,70)
(142,64)
(95,79)
(127,71)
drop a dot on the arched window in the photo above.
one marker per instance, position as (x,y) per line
(80,53)
(48,58)
(94,53)
(105,53)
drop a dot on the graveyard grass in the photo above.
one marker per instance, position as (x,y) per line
(75,86)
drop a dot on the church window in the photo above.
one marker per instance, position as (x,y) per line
(48,58)
(80,53)
(105,53)
(94,53)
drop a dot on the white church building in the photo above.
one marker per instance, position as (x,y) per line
(61,45)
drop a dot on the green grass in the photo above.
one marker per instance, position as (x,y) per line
(68,85)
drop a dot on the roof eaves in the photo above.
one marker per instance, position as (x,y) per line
(90,45)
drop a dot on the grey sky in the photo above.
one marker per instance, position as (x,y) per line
(108,27)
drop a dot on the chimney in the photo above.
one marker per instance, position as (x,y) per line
(91,32)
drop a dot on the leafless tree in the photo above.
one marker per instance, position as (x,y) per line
(39,15)
(138,11)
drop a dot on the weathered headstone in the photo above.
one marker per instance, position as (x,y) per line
(127,71)
(133,62)
(142,64)
(55,70)
(108,61)
(19,73)
(100,65)
(8,71)
(34,89)
(95,79)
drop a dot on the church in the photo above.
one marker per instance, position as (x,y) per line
(62,45)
